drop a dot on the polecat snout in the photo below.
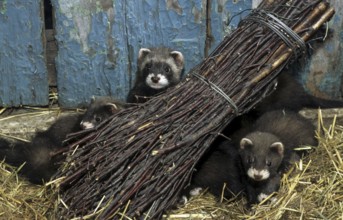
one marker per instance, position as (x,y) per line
(157,69)
(100,109)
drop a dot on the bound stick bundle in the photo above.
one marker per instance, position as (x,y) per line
(137,163)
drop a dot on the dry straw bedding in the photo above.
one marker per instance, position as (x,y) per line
(312,190)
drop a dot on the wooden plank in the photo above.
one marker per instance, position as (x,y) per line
(323,72)
(225,16)
(23,75)
(99,41)
(92,56)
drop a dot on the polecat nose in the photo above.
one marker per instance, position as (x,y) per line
(155,79)
(257,177)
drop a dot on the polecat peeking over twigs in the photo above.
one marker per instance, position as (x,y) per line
(38,158)
(157,69)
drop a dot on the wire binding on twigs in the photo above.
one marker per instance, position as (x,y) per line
(217,90)
(292,39)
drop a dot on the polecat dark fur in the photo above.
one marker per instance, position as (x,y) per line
(40,165)
(100,109)
(219,167)
(255,159)
(157,69)
(267,148)
(291,95)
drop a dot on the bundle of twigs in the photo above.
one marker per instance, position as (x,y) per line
(137,163)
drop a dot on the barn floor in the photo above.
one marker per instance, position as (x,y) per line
(317,176)
(24,122)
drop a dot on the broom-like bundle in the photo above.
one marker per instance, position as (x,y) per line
(137,163)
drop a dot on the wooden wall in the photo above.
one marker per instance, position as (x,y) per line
(98,42)
(23,74)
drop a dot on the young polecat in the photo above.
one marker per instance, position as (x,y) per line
(220,166)
(157,69)
(267,148)
(101,108)
(255,159)
(291,95)
(40,165)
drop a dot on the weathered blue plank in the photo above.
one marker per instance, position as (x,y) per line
(323,74)
(225,16)
(23,75)
(87,62)
(99,41)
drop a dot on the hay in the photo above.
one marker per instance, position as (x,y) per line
(22,200)
(313,189)
(19,199)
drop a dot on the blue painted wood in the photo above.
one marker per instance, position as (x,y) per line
(23,75)
(323,73)
(87,63)
(99,42)
(225,16)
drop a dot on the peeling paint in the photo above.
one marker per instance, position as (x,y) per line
(23,74)
(221,5)
(174,5)
(256,3)
(199,14)
(81,13)
(3,5)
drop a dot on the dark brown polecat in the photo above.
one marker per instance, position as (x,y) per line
(289,94)
(100,109)
(256,157)
(220,166)
(157,69)
(269,146)
(40,164)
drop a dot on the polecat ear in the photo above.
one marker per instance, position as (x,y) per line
(112,108)
(246,143)
(178,57)
(93,99)
(278,148)
(142,53)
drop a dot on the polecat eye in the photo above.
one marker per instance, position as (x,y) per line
(167,69)
(148,65)
(97,119)
(250,160)
(269,163)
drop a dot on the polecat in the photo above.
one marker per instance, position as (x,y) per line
(255,159)
(291,95)
(220,166)
(157,69)
(267,148)
(100,108)
(40,165)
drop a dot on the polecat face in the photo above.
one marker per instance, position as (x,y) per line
(160,67)
(157,75)
(99,110)
(262,154)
